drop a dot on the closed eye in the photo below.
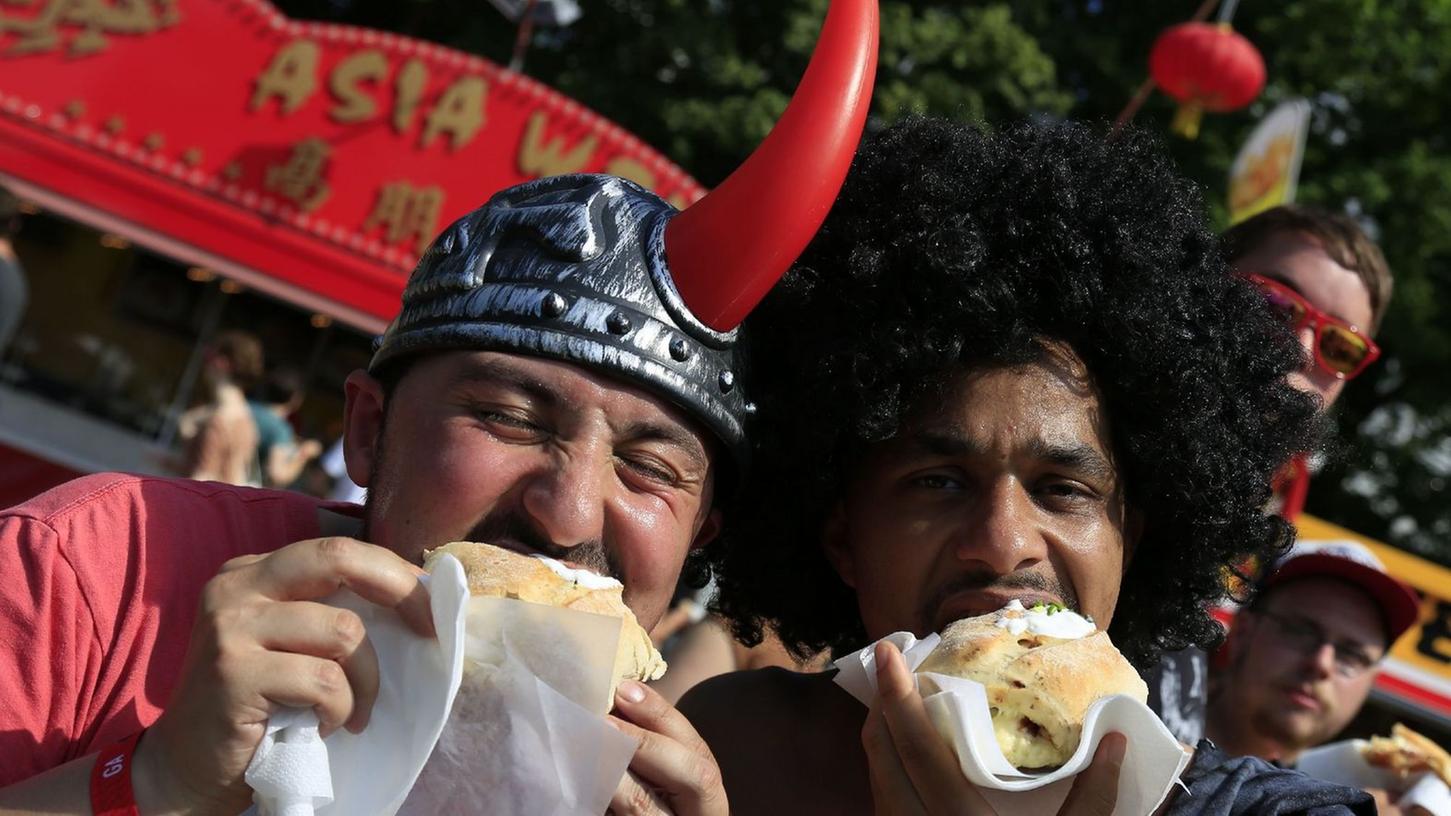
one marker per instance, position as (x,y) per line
(651,469)
(505,419)
(510,426)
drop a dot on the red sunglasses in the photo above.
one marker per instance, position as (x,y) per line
(1340,348)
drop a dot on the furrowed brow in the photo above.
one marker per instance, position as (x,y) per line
(943,442)
(1082,458)
(499,373)
(670,434)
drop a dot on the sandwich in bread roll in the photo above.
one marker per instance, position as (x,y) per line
(1042,668)
(1406,755)
(500,573)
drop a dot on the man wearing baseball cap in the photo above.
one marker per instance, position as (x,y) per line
(1303,655)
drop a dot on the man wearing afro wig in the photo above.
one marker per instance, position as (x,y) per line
(1010,366)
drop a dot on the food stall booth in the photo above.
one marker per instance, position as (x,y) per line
(190,166)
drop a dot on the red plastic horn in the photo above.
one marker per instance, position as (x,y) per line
(729,248)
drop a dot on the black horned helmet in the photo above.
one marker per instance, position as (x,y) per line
(597,271)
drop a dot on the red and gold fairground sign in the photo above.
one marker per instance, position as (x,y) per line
(312,160)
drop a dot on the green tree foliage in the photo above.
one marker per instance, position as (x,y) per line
(703,80)
(1376,75)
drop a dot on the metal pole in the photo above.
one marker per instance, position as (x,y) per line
(526,33)
(216,303)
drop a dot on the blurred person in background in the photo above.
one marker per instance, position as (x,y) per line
(1331,282)
(220,435)
(1329,279)
(343,488)
(1304,653)
(279,453)
(699,645)
(14,292)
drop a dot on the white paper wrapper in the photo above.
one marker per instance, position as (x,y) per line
(520,732)
(295,774)
(1343,763)
(527,734)
(1152,763)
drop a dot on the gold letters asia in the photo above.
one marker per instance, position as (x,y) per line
(541,156)
(360,80)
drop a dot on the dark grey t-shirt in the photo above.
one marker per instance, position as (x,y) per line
(1220,785)
(1179,692)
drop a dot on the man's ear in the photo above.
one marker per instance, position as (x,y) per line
(709,530)
(835,544)
(1133,532)
(363,409)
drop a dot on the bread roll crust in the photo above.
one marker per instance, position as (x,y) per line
(1406,754)
(1039,687)
(499,573)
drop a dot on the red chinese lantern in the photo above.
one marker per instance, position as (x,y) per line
(1206,67)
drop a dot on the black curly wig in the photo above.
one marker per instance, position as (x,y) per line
(952,248)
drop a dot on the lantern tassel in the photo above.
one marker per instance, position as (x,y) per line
(1186,120)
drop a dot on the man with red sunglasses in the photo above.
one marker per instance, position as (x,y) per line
(1329,279)
(1333,284)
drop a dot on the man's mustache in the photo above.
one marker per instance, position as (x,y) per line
(513,532)
(988,580)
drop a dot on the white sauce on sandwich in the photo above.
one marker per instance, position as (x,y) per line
(582,577)
(1058,623)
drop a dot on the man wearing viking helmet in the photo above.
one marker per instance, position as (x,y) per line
(562,379)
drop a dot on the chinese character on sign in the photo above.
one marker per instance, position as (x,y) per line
(407,211)
(94,18)
(299,179)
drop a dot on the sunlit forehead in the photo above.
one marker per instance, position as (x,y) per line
(578,401)
(1046,412)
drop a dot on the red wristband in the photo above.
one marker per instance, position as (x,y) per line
(111,793)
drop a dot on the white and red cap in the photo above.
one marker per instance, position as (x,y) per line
(1355,564)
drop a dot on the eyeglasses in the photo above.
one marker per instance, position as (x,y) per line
(1340,348)
(1305,637)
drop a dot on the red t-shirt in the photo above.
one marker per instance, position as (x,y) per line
(99,584)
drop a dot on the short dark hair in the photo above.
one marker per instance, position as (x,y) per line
(281,385)
(244,352)
(953,249)
(1343,240)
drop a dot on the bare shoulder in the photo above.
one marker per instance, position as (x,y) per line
(771,730)
(733,703)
